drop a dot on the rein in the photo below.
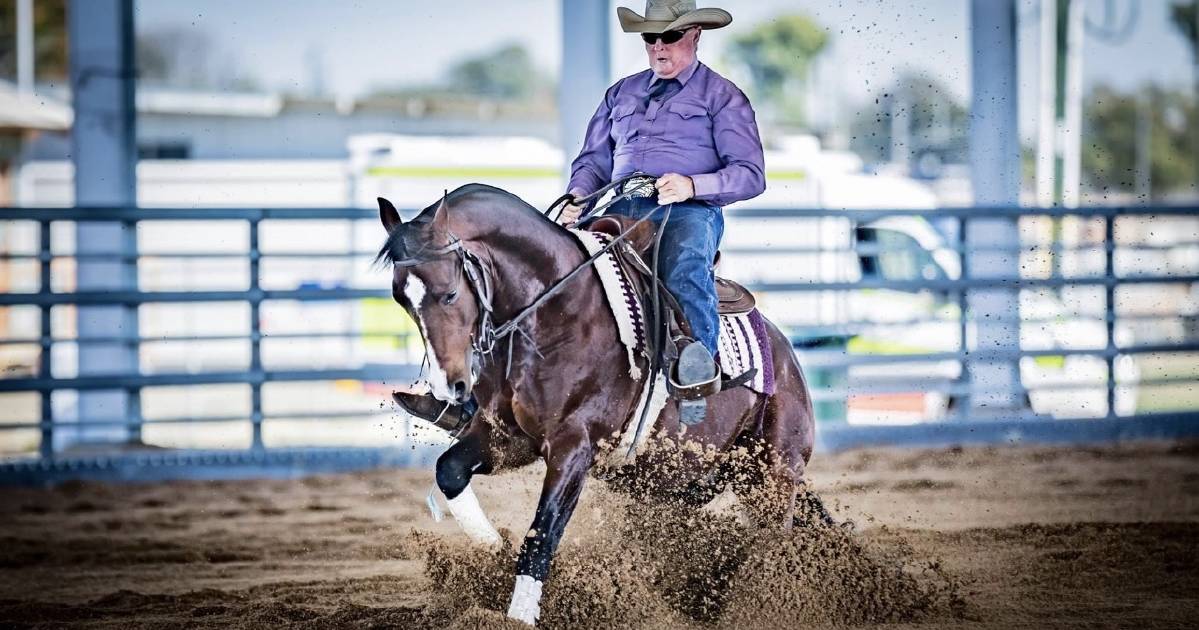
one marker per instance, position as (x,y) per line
(508,327)
(488,335)
(591,199)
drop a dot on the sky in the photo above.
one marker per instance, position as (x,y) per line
(365,44)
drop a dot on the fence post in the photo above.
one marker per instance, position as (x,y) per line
(133,395)
(965,404)
(1109,272)
(104,153)
(255,340)
(45,369)
(586,70)
(995,177)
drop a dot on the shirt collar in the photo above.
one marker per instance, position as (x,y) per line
(683,77)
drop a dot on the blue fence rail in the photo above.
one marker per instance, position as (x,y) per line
(1182,250)
(45,298)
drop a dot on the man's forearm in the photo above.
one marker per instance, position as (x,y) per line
(735,182)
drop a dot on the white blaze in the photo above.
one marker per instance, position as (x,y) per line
(439,384)
(469,514)
(526,600)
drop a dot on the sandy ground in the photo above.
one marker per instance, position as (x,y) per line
(1028,537)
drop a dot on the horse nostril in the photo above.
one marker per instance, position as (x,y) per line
(460,390)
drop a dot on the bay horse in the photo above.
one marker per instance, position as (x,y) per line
(561,389)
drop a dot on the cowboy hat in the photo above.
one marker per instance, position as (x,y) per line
(671,15)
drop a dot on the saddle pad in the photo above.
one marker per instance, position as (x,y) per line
(622,298)
(743,343)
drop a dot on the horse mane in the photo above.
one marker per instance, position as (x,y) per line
(404,243)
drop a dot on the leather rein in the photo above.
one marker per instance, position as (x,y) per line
(487,334)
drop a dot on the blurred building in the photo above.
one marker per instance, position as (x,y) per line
(26,120)
(183,124)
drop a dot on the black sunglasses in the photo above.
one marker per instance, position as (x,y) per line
(669,37)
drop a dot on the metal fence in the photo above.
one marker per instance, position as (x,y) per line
(1109,254)
(120,461)
(1136,268)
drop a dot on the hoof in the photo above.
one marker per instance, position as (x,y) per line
(526,600)
(429,409)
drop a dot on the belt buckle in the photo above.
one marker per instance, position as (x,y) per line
(638,188)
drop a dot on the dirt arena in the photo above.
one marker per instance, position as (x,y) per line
(984,538)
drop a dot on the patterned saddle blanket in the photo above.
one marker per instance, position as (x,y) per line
(743,344)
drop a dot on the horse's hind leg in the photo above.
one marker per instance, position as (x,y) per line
(781,446)
(454,470)
(788,427)
(765,483)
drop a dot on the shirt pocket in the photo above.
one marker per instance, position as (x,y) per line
(623,120)
(690,121)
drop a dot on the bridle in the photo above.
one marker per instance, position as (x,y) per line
(487,335)
(479,281)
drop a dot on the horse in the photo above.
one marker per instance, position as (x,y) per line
(561,388)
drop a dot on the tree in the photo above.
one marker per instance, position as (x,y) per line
(181,57)
(1184,18)
(175,56)
(49,39)
(778,55)
(923,110)
(1112,141)
(506,73)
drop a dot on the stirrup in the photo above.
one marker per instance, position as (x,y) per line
(694,378)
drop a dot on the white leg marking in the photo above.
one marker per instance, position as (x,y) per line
(526,600)
(414,290)
(469,514)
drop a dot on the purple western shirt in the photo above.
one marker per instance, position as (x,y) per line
(706,131)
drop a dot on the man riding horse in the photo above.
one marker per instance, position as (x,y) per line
(481,273)
(695,132)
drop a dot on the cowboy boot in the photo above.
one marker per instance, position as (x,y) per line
(695,366)
(426,407)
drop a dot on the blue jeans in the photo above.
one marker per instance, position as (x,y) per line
(689,244)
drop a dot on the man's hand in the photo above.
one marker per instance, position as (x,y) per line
(571,211)
(673,188)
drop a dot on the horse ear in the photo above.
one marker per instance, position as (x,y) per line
(389,215)
(441,219)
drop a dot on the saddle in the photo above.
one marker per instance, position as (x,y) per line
(732,298)
(668,320)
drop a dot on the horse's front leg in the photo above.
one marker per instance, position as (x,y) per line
(567,459)
(455,467)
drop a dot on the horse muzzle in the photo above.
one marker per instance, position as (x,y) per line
(461,390)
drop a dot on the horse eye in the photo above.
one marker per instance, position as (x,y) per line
(449,298)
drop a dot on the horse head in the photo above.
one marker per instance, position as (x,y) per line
(429,280)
